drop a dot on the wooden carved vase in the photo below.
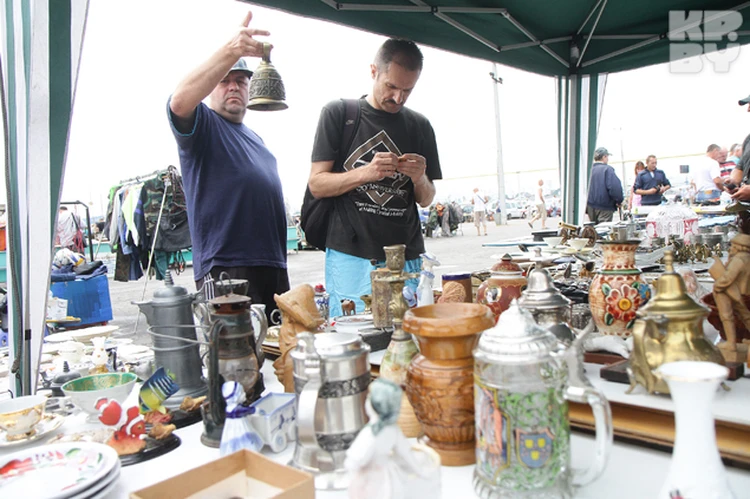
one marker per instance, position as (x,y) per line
(440,379)
(617,291)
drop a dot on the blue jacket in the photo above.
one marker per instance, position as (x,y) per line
(605,189)
(645,181)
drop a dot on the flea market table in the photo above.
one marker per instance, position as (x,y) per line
(632,471)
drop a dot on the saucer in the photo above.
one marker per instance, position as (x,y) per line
(48,424)
(573,251)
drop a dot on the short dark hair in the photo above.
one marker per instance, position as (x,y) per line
(712,148)
(403,52)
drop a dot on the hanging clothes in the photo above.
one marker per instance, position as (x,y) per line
(132,216)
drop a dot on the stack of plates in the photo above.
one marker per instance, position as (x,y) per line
(74,470)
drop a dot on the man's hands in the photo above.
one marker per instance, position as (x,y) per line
(413,166)
(243,44)
(386,164)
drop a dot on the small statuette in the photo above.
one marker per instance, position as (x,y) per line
(381,460)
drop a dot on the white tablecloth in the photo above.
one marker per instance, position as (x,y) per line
(632,471)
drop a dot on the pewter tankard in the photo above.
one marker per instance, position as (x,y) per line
(331,376)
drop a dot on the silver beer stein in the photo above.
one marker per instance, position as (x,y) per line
(331,376)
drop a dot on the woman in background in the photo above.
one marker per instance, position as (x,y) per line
(635,199)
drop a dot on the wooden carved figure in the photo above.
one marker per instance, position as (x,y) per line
(298,314)
(731,284)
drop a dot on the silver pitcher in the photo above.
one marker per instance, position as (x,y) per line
(331,376)
(170,314)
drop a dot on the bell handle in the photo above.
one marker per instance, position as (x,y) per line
(267,52)
(604,436)
(260,336)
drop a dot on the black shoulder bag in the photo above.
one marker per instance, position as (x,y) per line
(316,213)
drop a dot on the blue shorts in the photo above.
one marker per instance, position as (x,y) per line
(348,277)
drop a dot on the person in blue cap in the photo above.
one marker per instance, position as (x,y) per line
(605,189)
(234,197)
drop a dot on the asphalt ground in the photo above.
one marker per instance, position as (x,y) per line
(463,252)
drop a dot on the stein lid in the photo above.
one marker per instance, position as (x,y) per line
(672,298)
(332,345)
(516,338)
(541,293)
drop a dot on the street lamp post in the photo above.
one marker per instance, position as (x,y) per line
(500,171)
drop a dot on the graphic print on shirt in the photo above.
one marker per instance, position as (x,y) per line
(386,197)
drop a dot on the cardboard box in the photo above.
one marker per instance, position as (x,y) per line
(243,474)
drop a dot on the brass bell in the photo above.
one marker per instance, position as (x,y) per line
(266,88)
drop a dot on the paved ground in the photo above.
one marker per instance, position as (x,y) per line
(463,252)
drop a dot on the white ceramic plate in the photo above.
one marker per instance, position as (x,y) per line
(101,488)
(92,332)
(57,338)
(50,347)
(352,323)
(45,427)
(55,471)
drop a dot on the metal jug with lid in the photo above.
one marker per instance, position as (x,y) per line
(170,315)
(524,377)
(331,376)
(547,305)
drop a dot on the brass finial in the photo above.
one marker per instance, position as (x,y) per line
(669,261)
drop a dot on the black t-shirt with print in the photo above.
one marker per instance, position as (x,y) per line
(385,212)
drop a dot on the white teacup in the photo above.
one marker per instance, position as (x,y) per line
(71,351)
(18,416)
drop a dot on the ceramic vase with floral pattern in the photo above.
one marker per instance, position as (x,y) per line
(617,291)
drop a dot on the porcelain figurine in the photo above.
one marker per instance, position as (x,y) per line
(425,296)
(731,285)
(157,388)
(238,432)
(128,425)
(298,314)
(383,464)
(99,356)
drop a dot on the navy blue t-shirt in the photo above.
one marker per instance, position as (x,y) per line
(234,199)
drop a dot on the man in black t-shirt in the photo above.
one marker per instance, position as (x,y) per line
(389,167)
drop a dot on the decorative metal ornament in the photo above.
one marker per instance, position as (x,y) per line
(266,88)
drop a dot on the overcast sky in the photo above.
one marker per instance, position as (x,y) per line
(136,52)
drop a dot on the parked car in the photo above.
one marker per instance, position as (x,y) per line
(515,210)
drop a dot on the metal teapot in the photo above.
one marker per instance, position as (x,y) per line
(331,376)
(668,329)
(524,377)
(547,305)
(170,315)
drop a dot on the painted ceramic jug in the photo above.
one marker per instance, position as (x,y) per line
(504,285)
(524,377)
(617,291)
(439,379)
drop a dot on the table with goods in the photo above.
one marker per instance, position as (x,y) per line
(504,383)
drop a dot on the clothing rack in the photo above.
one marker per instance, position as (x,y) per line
(142,178)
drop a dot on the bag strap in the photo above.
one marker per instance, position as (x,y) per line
(348,128)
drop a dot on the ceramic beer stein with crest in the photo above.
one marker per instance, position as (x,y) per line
(524,377)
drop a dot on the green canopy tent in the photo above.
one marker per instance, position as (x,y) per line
(40,45)
(576,41)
